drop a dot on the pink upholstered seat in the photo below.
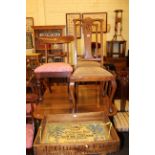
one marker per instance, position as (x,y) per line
(29,135)
(54,67)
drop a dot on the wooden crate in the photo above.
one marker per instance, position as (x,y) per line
(74,134)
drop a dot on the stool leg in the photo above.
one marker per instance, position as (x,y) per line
(39,90)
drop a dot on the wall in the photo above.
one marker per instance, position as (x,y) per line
(53,12)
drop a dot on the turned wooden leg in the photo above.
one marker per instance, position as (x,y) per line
(39,90)
(103,88)
(68,85)
(124,87)
(111,95)
(72,96)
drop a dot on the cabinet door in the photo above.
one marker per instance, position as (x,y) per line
(116,48)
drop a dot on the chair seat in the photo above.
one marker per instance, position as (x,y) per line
(117,104)
(121,121)
(54,67)
(91,74)
(29,135)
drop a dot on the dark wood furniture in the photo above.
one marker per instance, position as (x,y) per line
(89,68)
(121,70)
(119,63)
(116,49)
(54,137)
(49,31)
(123,86)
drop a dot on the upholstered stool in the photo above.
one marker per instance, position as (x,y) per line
(52,70)
(121,121)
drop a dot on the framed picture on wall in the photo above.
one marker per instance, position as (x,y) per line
(29,32)
(99,15)
(70,24)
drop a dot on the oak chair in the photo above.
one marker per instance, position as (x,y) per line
(92,40)
(88,68)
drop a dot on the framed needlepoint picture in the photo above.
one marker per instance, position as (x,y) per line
(70,25)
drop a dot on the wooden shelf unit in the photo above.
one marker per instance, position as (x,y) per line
(49,31)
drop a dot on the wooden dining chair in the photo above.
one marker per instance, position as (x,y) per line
(92,39)
(54,70)
(88,67)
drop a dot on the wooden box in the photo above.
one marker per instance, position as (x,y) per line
(75,134)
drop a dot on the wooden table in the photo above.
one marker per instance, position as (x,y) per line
(59,134)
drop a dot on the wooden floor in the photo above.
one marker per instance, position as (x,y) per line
(88,100)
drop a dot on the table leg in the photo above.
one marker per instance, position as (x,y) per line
(124,87)
(111,95)
(72,96)
(39,90)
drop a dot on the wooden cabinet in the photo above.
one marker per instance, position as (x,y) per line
(56,50)
(116,48)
